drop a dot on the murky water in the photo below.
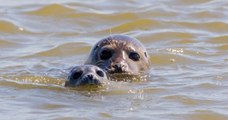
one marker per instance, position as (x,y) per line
(187,41)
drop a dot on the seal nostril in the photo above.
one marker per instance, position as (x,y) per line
(118,68)
(77,74)
(90,76)
(100,73)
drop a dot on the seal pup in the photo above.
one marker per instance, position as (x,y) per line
(86,75)
(119,54)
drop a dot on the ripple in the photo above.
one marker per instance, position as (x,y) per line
(105,115)
(219,39)
(206,15)
(52,10)
(164,35)
(192,2)
(67,49)
(169,59)
(101,17)
(142,24)
(187,100)
(207,86)
(223,47)
(52,106)
(34,80)
(126,26)
(210,26)
(9,27)
(197,53)
(207,115)
(184,41)
(153,90)
(6,43)
(30,85)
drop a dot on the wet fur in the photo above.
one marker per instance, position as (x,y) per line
(121,42)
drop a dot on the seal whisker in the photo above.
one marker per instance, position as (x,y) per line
(99,63)
(110,32)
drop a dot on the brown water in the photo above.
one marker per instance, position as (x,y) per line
(187,41)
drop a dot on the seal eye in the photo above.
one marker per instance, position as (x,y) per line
(100,73)
(134,56)
(106,54)
(77,74)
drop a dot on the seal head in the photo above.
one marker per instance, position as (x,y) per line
(86,75)
(120,54)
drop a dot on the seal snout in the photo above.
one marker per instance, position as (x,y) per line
(90,79)
(119,68)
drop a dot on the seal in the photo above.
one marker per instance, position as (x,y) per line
(86,75)
(120,54)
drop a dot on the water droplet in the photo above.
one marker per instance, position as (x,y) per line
(21,29)
(131,109)
(172,60)
(131,91)
(175,51)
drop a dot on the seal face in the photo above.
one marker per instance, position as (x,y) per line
(119,54)
(86,75)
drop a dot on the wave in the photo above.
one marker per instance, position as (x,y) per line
(67,49)
(55,85)
(7,43)
(52,10)
(209,26)
(9,27)
(223,47)
(219,39)
(165,35)
(173,58)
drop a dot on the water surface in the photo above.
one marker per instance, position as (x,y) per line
(187,42)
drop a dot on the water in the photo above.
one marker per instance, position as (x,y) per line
(187,42)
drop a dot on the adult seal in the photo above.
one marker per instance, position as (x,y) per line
(86,75)
(120,54)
